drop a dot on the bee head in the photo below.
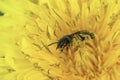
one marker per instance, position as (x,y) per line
(66,40)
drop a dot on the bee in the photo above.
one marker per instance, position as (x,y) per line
(66,40)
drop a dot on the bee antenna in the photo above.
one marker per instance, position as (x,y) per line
(49,44)
(52,43)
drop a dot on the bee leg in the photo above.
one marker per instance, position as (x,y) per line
(61,50)
(81,38)
(65,47)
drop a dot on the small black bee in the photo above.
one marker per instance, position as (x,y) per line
(66,40)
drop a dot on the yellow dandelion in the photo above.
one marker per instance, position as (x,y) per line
(31,30)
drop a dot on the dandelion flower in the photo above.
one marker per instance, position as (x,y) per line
(28,27)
